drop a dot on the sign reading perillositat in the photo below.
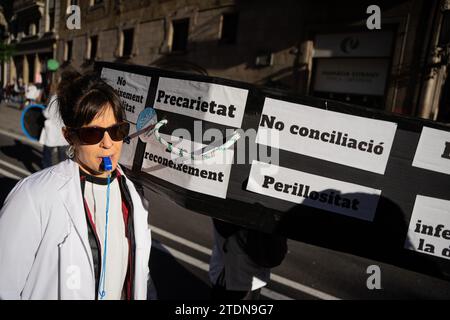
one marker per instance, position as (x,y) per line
(433,151)
(349,140)
(132,89)
(200,100)
(429,228)
(314,191)
(208,176)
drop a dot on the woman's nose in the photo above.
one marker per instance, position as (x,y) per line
(106,142)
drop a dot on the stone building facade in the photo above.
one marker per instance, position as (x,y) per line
(312,47)
(32,32)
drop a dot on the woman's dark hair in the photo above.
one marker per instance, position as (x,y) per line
(82,97)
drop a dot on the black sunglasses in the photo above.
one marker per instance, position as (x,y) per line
(93,135)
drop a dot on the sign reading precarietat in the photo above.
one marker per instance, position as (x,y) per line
(200,100)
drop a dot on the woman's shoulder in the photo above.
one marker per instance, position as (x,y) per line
(30,190)
(45,181)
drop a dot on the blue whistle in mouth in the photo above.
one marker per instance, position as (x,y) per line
(107,164)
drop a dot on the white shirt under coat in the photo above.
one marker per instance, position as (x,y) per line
(116,263)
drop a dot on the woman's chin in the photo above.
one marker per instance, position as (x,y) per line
(95,167)
(94,170)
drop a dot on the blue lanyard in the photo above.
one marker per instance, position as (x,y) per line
(102,292)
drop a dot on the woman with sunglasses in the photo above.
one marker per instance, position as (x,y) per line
(78,230)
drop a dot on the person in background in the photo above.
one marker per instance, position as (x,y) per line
(18,92)
(52,136)
(241,261)
(32,94)
(234,276)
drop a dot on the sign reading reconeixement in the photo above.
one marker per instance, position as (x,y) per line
(209,177)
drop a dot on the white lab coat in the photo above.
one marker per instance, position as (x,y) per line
(44,246)
(51,134)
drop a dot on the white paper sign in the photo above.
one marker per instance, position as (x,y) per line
(341,138)
(132,89)
(433,151)
(315,191)
(209,176)
(429,228)
(358,76)
(200,100)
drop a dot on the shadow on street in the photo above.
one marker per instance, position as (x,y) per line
(173,281)
(30,157)
(7,185)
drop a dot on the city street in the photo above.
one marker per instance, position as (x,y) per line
(182,242)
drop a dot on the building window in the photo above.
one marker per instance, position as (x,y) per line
(180,34)
(51,14)
(93,43)
(444,36)
(68,51)
(95,2)
(127,44)
(52,20)
(228,28)
(32,29)
(31,64)
(36,27)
